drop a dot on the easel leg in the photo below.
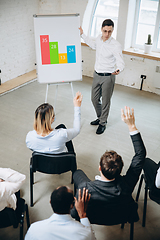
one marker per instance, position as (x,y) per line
(46,93)
(55,98)
(57,92)
(72,89)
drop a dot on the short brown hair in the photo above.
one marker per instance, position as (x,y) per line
(111,164)
(43,116)
(108,22)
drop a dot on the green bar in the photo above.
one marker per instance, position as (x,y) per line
(54,56)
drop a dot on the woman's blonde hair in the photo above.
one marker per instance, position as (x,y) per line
(43,118)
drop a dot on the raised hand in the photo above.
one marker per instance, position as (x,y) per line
(78,99)
(81,30)
(128,118)
(82,203)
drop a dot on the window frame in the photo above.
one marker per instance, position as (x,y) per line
(91,9)
(156,29)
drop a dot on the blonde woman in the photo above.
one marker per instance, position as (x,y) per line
(48,140)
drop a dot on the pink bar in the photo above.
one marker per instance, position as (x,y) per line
(45,53)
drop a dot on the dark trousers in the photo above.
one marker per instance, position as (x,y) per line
(69,145)
(79,177)
(150,170)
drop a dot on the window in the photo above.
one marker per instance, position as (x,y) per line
(104,9)
(147,22)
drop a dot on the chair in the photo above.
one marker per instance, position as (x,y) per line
(51,164)
(113,214)
(11,217)
(101,213)
(154,195)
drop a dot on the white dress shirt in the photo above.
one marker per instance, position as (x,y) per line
(157,182)
(108,54)
(55,141)
(60,226)
(12,182)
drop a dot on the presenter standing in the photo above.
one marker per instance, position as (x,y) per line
(109,62)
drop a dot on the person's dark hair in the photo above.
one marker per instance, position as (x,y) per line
(61,200)
(111,164)
(108,22)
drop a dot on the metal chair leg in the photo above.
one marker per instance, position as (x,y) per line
(139,187)
(122,225)
(21,226)
(31,188)
(72,178)
(27,216)
(131,230)
(145,206)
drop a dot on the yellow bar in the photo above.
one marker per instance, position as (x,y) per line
(63,58)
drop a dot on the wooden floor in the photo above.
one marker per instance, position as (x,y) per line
(18,81)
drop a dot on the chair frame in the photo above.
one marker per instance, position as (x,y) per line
(22,220)
(131,229)
(49,160)
(13,218)
(123,223)
(145,197)
(97,214)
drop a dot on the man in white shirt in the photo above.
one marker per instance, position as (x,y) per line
(108,54)
(61,225)
(10,183)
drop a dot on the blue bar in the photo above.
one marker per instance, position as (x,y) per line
(71,54)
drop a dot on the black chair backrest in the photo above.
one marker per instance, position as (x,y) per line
(53,163)
(112,214)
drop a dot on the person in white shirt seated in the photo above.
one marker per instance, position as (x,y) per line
(61,225)
(10,184)
(48,140)
(152,174)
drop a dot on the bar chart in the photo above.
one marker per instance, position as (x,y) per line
(50,52)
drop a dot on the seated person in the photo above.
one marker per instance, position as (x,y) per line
(152,174)
(47,140)
(110,187)
(61,225)
(10,183)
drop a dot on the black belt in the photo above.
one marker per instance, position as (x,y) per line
(103,74)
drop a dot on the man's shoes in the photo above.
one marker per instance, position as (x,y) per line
(95,122)
(100,129)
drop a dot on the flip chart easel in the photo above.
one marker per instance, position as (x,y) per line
(58,47)
(57,84)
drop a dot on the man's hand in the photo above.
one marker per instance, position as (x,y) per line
(116,72)
(81,30)
(78,99)
(82,203)
(128,118)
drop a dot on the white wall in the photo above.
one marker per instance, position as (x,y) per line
(17,48)
(17,37)
(49,7)
(63,6)
(134,68)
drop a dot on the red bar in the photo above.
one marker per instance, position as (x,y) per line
(45,53)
